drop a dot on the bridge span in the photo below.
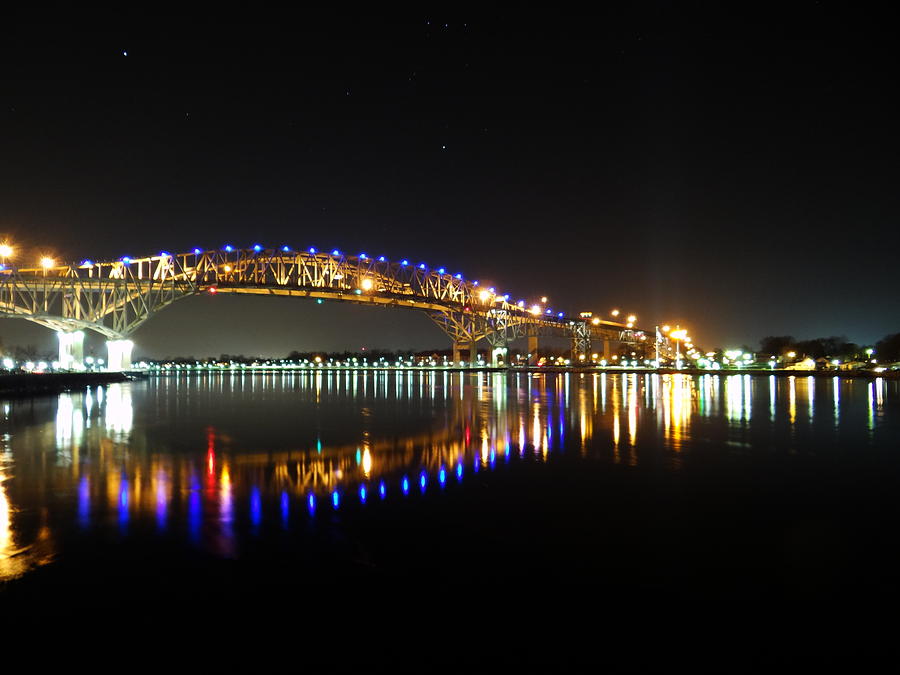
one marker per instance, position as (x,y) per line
(114,298)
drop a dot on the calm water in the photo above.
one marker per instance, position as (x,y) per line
(632,483)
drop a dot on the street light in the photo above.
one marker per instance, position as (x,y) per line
(6,251)
(678,335)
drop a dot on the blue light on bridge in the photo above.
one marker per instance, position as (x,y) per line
(404,262)
(362,493)
(423,481)
(311,504)
(319,301)
(442,476)
(549,311)
(257,248)
(441,270)
(229,248)
(363,256)
(421,266)
(335,499)
(197,251)
(404,485)
(312,250)
(381,489)
(560,315)
(459,276)
(85,263)
(164,254)
(459,471)
(126,259)
(335,252)
(285,248)
(475,283)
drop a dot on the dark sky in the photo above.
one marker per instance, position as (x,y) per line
(732,169)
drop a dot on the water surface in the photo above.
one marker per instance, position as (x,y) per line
(627,481)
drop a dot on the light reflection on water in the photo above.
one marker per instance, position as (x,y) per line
(217,459)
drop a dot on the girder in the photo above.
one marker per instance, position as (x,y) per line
(114,298)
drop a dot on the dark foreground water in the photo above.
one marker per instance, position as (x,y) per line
(367,490)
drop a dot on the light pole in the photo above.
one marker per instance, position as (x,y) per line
(6,252)
(679,335)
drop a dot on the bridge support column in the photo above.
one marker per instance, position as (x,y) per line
(532,350)
(71,350)
(460,347)
(607,351)
(119,355)
(498,357)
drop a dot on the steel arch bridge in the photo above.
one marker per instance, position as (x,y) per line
(114,298)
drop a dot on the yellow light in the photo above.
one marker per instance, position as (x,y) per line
(595,321)
(632,318)
(630,324)
(792,354)
(226,268)
(535,309)
(47,263)
(666,328)
(366,284)
(483,296)
(679,334)
(6,251)
(544,299)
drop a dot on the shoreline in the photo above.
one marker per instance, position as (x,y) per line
(850,374)
(26,384)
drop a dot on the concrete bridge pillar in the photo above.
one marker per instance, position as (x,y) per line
(460,347)
(533,350)
(607,351)
(119,353)
(498,357)
(71,350)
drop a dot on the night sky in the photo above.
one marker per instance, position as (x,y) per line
(731,169)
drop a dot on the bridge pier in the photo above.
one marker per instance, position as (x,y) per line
(532,350)
(71,350)
(119,355)
(498,357)
(458,348)
(607,351)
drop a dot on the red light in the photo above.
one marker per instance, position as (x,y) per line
(213,290)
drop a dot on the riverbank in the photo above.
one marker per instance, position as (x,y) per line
(17,384)
(844,374)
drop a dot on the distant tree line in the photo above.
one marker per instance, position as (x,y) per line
(835,347)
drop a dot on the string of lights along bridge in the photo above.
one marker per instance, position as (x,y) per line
(114,298)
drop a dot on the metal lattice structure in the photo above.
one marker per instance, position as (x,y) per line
(115,298)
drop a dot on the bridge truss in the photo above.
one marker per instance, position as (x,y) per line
(114,298)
